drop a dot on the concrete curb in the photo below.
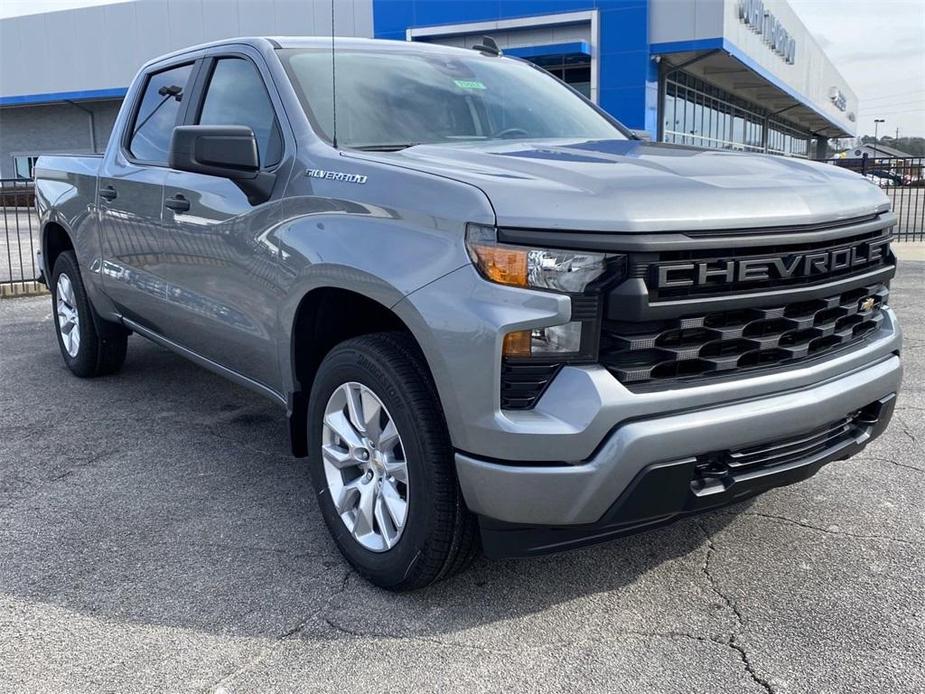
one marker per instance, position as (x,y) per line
(22,289)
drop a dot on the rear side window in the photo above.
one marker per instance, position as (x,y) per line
(157,114)
(237,96)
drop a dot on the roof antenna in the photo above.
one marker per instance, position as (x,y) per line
(333,80)
(488,46)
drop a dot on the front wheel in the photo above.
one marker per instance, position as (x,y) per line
(86,352)
(382,465)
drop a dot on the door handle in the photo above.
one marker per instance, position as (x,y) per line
(177,203)
(108,193)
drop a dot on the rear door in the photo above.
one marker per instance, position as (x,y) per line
(131,191)
(220,268)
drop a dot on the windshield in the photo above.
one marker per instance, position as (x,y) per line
(395,99)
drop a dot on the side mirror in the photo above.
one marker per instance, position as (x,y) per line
(642,135)
(228,151)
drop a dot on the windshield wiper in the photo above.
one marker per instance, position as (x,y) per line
(385,148)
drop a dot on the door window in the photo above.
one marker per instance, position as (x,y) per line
(237,96)
(157,114)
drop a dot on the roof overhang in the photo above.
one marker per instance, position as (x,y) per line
(63,97)
(719,62)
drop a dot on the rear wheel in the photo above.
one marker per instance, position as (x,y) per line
(86,352)
(382,465)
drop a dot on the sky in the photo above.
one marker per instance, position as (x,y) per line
(877,45)
(879,48)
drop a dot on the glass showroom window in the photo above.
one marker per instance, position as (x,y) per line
(574,70)
(23,165)
(701,114)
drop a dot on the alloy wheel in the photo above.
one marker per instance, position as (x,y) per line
(68,315)
(365,466)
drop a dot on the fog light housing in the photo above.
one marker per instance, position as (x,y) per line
(551,341)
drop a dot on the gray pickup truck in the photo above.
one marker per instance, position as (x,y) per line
(496,318)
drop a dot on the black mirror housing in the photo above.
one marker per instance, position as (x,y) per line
(228,151)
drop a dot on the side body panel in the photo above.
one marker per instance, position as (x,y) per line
(65,191)
(131,228)
(219,266)
(220,276)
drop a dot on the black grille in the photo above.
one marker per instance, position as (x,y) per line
(646,266)
(721,468)
(792,449)
(727,342)
(523,382)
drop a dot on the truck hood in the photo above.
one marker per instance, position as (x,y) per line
(635,186)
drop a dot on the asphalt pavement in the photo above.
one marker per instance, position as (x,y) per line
(155,535)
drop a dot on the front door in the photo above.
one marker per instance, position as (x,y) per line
(220,270)
(130,196)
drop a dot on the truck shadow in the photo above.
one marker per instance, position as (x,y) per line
(166,496)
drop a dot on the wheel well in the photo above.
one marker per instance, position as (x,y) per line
(325,318)
(56,242)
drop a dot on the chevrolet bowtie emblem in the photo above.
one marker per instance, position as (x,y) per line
(868,304)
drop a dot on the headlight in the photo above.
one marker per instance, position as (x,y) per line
(570,272)
(583,275)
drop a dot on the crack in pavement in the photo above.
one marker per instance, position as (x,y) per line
(891,461)
(219,686)
(828,531)
(731,642)
(550,646)
(905,429)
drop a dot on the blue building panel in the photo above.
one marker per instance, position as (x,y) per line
(624,26)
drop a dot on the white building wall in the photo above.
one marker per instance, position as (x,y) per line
(685,20)
(97,48)
(811,75)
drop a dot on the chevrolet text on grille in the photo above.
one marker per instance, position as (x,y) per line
(772,267)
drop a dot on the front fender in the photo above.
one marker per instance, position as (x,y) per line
(383,257)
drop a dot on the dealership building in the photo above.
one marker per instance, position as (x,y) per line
(731,74)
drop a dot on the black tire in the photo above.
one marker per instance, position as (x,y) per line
(440,535)
(96,354)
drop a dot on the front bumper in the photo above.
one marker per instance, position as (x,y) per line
(645,471)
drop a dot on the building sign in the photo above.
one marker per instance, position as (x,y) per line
(837,98)
(766,25)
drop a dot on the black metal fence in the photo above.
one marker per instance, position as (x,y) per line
(903,180)
(19,237)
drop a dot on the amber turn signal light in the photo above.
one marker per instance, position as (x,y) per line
(517,344)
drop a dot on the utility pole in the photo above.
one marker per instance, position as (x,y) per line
(877,122)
